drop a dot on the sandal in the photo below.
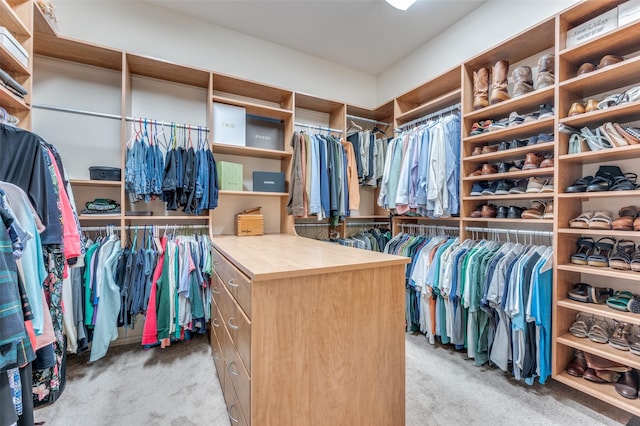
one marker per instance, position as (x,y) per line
(577,144)
(585,246)
(625,221)
(585,293)
(600,184)
(634,304)
(600,220)
(581,326)
(627,182)
(581,221)
(580,185)
(622,258)
(620,301)
(634,342)
(599,331)
(602,251)
(595,141)
(635,262)
(618,338)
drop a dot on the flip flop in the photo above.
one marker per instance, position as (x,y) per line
(620,301)
(581,221)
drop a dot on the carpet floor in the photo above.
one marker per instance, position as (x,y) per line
(179,386)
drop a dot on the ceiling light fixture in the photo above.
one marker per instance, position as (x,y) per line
(401,4)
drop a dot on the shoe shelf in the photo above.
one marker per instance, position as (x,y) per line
(603,350)
(89,182)
(602,194)
(10,64)
(510,154)
(525,103)
(546,171)
(602,391)
(620,41)
(601,272)
(601,310)
(526,196)
(219,148)
(12,22)
(256,109)
(514,132)
(608,78)
(618,114)
(507,220)
(595,232)
(11,102)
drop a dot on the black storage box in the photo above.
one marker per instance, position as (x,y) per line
(104,173)
(268,182)
(265,133)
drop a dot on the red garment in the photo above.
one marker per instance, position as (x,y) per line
(150,330)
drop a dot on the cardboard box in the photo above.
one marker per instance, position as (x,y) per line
(268,182)
(593,28)
(229,176)
(11,44)
(628,12)
(265,133)
(249,222)
(229,124)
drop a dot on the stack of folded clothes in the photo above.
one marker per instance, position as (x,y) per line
(13,86)
(101,206)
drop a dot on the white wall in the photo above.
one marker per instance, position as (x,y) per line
(487,26)
(140,28)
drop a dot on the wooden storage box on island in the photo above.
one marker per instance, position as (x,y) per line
(249,222)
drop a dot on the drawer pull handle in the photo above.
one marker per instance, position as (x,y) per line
(233,419)
(233,373)
(214,290)
(232,325)
(215,323)
(232,283)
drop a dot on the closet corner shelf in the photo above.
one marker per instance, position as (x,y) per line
(545,171)
(529,101)
(440,102)
(10,64)
(604,351)
(608,78)
(526,196)
(603,194)
(99,217)
(606,232)
(599,310)
(89,182)
(526,129)
(601,272)
(166,218)
(40,23)
(619,114)
(510,154)
(254,193)
(11,102)
(523,221)
(256,109)
(622,39)
(12,22)
(245,151)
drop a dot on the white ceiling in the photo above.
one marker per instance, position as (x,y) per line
(368,35)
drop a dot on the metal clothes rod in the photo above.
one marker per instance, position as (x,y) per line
(368,120)
(435,227)
(428,116)
(129,227)
(510,231)
(118,117)
(366,223)
(315,126)
(313,224)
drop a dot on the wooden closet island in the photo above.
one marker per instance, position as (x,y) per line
(308,332)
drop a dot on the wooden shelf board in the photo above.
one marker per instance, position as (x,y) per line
(585,10)
(603,194)
(618,114)
(608,78)
(603,350)
(521,46)
(10,64)
(40,23)
(254,193)
(610,154)
(601,272)
(69,49)
(530,101)
(601,311)
(245,151)
(228,84)
(375,217)
(89,182)
(317,104)
(382,113)
(510,154)
(505,220)
(433,105)
(606,232)
(418,218)
(437,87)
(529,196)
(620,41)
(547,171)
(11,102)
(166,218)
(97,217)
(603,392)
(256,109)
(525,129)
(168,71)
(12,22)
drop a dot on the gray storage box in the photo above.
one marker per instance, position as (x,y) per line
(268,182)
(265,133)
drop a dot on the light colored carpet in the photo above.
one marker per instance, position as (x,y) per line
(179,386)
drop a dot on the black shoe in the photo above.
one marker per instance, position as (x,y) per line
(517,144)
(514,212)
(519,187)
(502,212)
(505,167)
(491,189)
(503,187)
(478,188)
(503,146)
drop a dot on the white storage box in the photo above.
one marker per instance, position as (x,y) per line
(12,45)
(593,28)
(229,124)
(628,12)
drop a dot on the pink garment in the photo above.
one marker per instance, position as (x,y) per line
(48,336)
(150,329)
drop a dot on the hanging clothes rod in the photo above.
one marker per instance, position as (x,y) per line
(315,126)
(129,227)
(431,227)
(367,223)
(368,120)
(118,117)
(528,232)
(440,112)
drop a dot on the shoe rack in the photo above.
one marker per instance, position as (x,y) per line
(523,50)
(572,88)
